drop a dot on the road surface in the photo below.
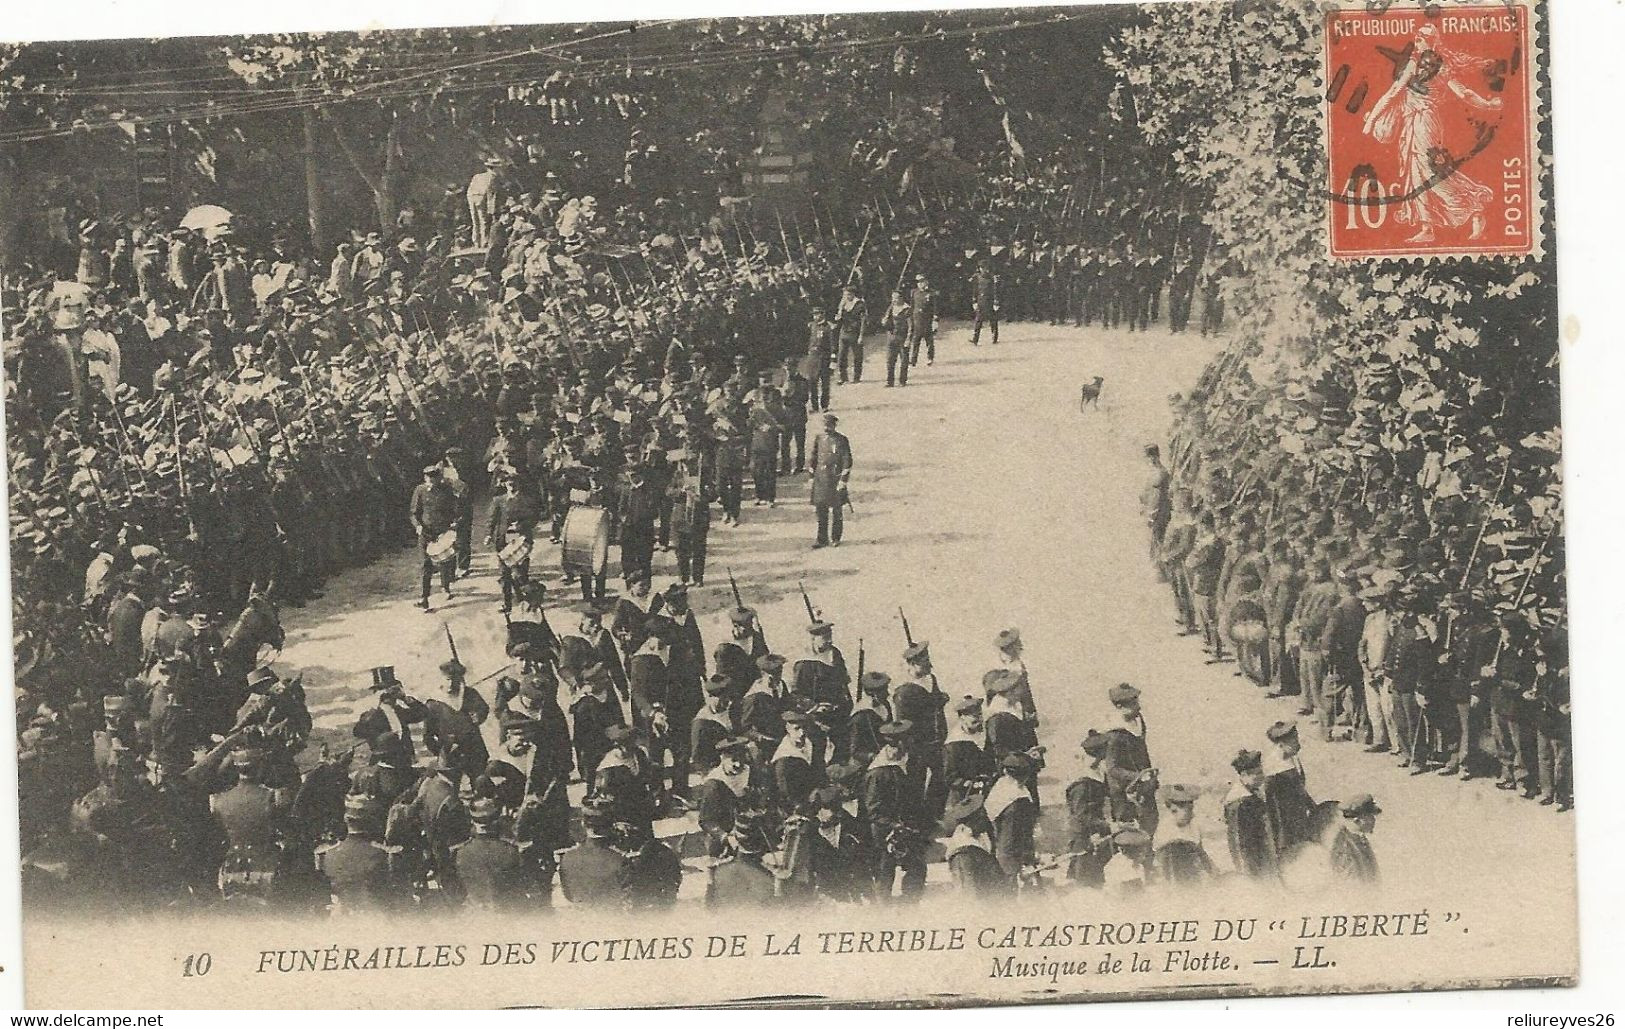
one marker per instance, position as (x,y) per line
(984,500)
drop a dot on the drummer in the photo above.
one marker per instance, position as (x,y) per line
(435,511)
(514,514)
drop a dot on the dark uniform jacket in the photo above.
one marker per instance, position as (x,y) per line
(493,872)
(1088,818)
(592,874)
(740,881)
(358,872)
(1252,834)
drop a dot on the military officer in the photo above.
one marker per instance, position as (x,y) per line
(592,873)
(816,363)
(922,321)
(491,870)
(831,463)
(358,868)
(897,322)
(742,880)
(797,392)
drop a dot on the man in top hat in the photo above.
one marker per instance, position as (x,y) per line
(434,511)
(923,321)
(358,869)
(393,712)
(1251,829)
(491,869)
(831,464)
(820,678)
(729,785)
(592,873)
(1352,858)
(851,323)
(1180,857)
(897,322)
(1129,772)
(1089,816)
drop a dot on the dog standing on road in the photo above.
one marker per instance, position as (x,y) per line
(1090,394)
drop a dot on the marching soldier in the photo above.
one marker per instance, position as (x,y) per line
(435,511)
(797,403)
(871,711)
(691,516)
(591,716)
(851,323)
(922,321)
(765,430)
(1013,814)
(921,703)
(843,861)
(729,786)
(893,806)
(797,765)
(897,322)
(711,725)
(821,680)
(967,767)
(1089,818)
(984,291)
(762,706)
(816,364)
(969,850)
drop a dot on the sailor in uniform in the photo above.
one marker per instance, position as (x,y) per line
(1180,858)
(730,785)
(967,767)
(797,764)
(1247,820)
(1089,820)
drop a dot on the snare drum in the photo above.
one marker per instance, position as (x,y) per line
(442,548)
(586,540)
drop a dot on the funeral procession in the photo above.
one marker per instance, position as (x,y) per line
(788,462)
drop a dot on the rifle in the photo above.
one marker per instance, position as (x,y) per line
(451,642)
(859,255)
(812,616)
(734,586)
(908,636)
(860,661)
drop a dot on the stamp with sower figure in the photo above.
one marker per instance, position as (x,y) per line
(1430,132)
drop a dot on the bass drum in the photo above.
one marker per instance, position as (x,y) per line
(586,540)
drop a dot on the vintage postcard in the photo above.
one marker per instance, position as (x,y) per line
(927,509)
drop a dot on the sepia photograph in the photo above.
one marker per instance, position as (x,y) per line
(927,508)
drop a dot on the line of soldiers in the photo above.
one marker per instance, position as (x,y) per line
(1352,613)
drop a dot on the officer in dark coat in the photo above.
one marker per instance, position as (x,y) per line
(492,871)
(653,872)
(1252,833)
(593,872)
(830,462)
(1352,858)
(252,817)
(358,868)
(923,321)
(984,294)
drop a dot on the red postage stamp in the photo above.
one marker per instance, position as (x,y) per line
(1430,131)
